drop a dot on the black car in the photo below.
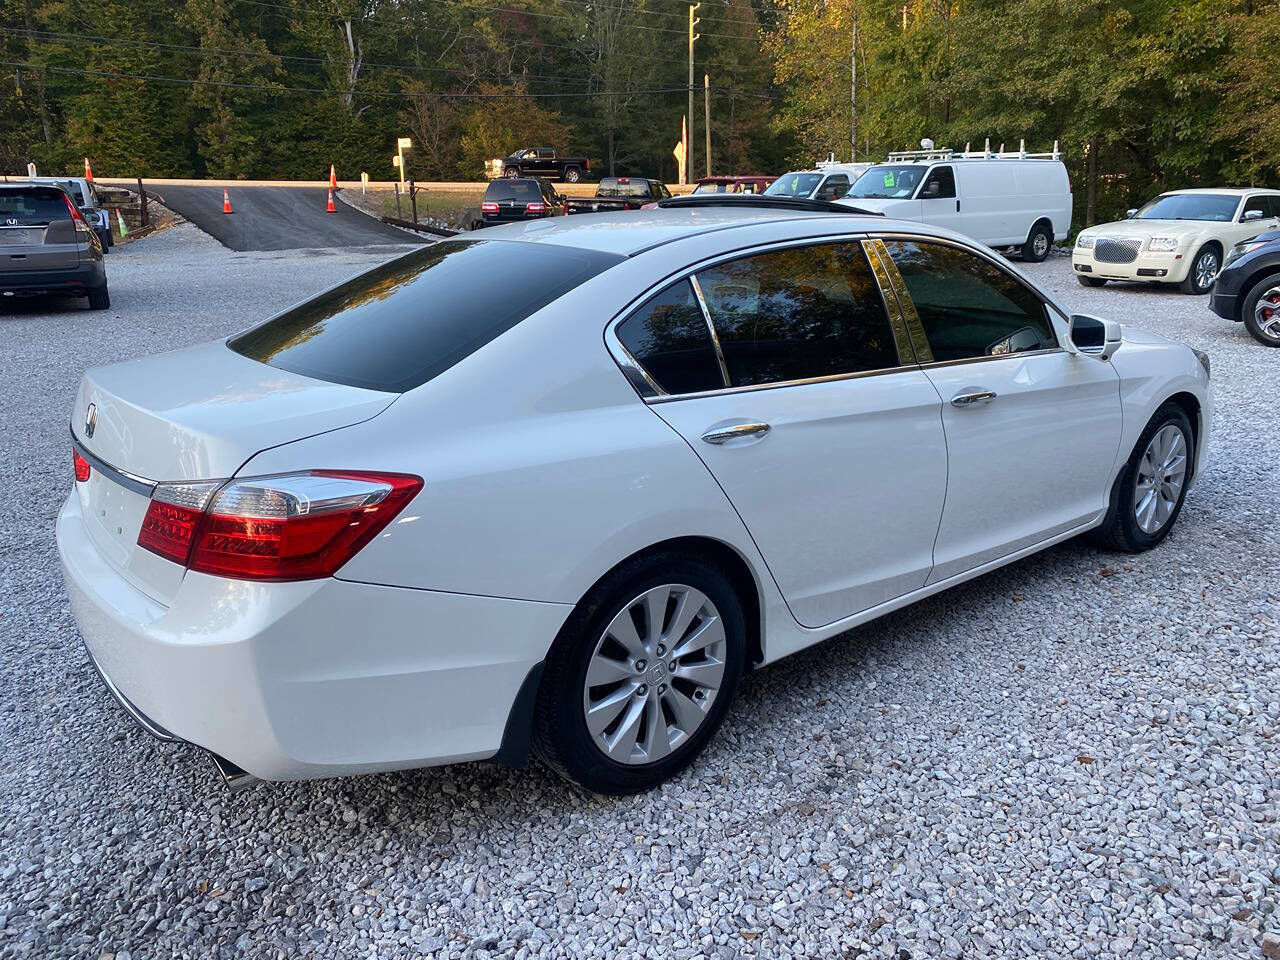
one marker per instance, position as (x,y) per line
(1248,287)
(513,200)
(619,193)
(47,246)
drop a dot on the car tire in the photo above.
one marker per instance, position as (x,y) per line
(1039,241)
(572,174)
(1203,270)
(104,238)
(511,172)
(1263,321)
(1091,281)
(696,600)
(1142,512)
(99,299)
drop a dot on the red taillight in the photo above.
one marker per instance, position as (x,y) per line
(488,208)
(535,208)
(624,179)
(297,526)
(587,163)
(76,217)
(81,465)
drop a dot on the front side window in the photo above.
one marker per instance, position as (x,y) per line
(1215,207)
(939,185)
(969,307)
(668,336)
(836,187)
(798,313)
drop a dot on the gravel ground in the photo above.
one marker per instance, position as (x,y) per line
(1076,756)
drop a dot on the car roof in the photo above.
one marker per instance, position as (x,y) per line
(28,184)
(627,234)
(1229,191)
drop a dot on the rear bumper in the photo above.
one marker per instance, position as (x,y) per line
(75,281)
(312,679)
(1147,268)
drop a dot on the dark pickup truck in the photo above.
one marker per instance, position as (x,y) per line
(619,193)
(540,162)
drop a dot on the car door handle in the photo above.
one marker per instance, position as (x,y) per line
(971,399)
(721,434)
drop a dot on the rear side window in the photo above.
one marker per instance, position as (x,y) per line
(967,306)
(400,324)
(33,206)
(669,337)
(799,313)
(528,191)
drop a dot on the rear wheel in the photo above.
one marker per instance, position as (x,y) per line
(1038,243)
(641,675)
(99,299)
(1148,495)
(511,172)
(1204,270)
(1260,310)
(1091,281)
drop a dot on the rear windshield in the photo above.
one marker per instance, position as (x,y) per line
(33,206)
(526,190)
(623,188)
(400,324)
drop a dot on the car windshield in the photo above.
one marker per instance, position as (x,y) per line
(888,181)
(1219,207)
(623,188)
(527,191)
(31,207)
(400,324)
(794,185)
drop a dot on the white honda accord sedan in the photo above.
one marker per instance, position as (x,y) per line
(557,485)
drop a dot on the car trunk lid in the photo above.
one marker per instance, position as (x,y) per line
(195,414)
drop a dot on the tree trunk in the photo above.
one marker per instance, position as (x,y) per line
(37,76)
(611,153)
(1091,184)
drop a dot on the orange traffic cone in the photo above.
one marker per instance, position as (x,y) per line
(226,201)
(333,178)
(330,210)
(88,171)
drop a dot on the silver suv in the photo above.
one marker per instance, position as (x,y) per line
(47,247)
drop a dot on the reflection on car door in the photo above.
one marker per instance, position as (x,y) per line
(828,444)
(1032,431)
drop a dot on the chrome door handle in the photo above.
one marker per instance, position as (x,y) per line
(721,434)
(970,399)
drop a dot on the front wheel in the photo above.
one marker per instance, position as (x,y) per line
(1260,310)
(1147,497)
(641,675)
(1091,281)
(1038,243)
(572,175)
(511,172)
(1204,270)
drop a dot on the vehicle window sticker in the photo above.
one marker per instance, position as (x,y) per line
(888,179)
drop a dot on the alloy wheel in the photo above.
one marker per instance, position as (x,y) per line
(1041,245)
(654,674)
(1161,474)
(1206,270)
(1266,314)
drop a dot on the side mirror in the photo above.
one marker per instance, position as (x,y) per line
(1251,215)
(1094,336)
(1128,214)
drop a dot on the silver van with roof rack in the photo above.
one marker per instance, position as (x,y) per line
(999,198)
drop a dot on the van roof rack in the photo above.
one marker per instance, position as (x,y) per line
(764,201)
(986,153)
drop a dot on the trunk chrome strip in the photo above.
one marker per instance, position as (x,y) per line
(129,481)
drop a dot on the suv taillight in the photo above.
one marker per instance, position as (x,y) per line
(488,208)
(535,208)
(76,216)
(296,526)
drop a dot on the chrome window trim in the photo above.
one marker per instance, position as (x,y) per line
(711,327)
(651,392)
(130,481)
(913,318)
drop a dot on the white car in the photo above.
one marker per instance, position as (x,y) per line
(1179,237)
(999,199)
(828,181)
(427,517)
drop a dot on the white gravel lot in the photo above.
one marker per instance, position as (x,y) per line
(1077,756)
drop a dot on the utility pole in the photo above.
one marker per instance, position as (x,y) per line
(853,92)
(706,91)
(688,145)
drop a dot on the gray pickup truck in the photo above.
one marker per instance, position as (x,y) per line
(47,247)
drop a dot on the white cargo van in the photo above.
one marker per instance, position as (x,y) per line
(827,180)
(1013,199)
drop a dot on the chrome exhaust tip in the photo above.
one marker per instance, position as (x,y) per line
(234,777)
